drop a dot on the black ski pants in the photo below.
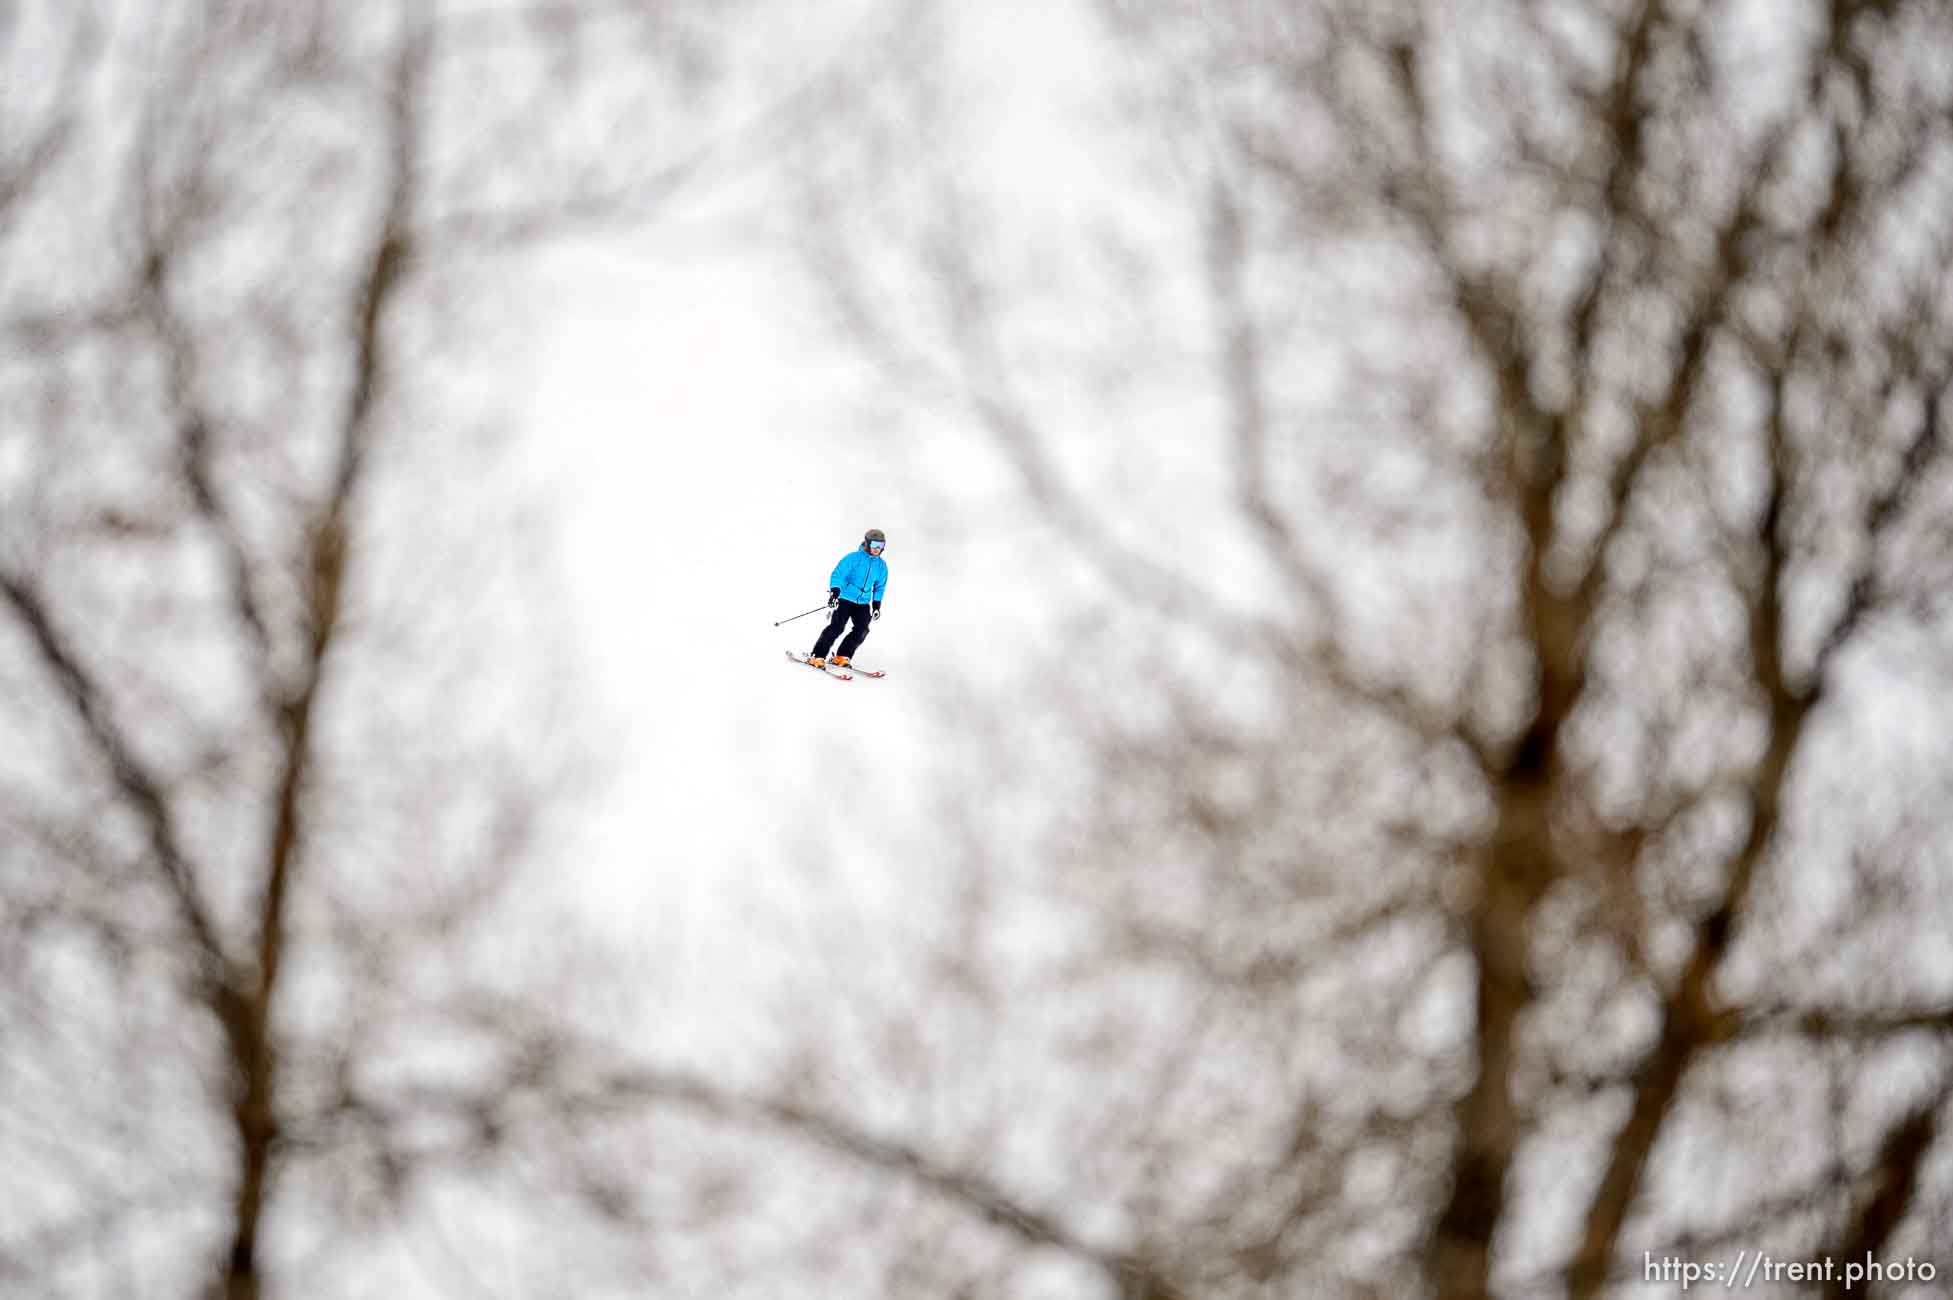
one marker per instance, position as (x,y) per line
(843,612)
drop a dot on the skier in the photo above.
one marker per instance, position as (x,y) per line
(854,593)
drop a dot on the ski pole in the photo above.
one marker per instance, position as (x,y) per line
(815,610)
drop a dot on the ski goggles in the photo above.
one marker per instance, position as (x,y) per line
(877,546)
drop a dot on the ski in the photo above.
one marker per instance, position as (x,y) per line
(866,672)
(840,674)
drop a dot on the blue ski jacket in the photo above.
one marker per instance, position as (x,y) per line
(861,577)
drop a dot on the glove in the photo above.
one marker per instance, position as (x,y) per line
(833,597)
(876,615)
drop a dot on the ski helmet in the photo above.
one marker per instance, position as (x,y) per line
(874,535)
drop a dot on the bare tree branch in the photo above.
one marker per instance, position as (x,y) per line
(136,782)
(662,1090)
(1927,445)
(328,541)
(1894,1182)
